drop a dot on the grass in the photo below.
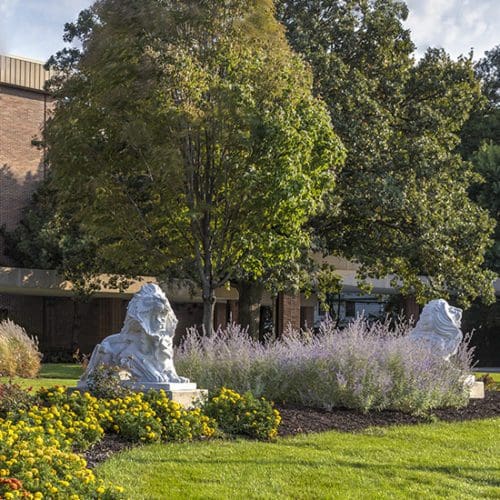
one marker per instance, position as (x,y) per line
(495,376)
(66,374)
(495,386)
(440,460)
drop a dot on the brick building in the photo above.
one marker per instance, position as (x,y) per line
(23,111)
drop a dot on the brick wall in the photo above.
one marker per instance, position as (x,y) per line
(288,312)
(22,114)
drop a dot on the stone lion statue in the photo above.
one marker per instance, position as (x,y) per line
(144,347)
(439,327)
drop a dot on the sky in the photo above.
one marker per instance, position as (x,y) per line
(34,28)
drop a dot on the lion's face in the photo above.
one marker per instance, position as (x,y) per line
(439,325)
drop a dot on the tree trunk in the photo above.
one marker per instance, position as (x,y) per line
(411,309)
(208,311)
(250,293)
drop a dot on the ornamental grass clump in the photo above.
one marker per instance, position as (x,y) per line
(366,366)
(19,354)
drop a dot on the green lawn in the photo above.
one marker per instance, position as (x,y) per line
(459,460)
(496,376)
(51,374)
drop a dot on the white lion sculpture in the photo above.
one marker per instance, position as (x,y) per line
(439,327)
(144,347)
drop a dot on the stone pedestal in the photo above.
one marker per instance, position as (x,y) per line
(188,397)
(477,390)
(185,394)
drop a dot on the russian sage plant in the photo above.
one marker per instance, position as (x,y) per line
(366,366)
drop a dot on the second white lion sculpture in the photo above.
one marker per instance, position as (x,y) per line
(439,327)
(144,347)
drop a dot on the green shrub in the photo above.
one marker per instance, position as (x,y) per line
(131,417)
(177,423)
(245,415)
(13,397)
(19,354)
(105,383)
(33,464)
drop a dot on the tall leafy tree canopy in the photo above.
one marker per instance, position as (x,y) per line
(484,121)
(481,144)
(401,206)
(486,162)
(186,136)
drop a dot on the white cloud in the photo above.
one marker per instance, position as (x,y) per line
(6,6)
(34,28)
(456,25)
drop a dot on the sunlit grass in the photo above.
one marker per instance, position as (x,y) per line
(442,460)
(495,376)
(66,374)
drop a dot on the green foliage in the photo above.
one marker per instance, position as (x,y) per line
(104,382)
(483,124)
(35,463)
(186,139)
(48,238)
(480,144)
(486,163)
(13,397)
(488,69)
(177,423)
(61,422)
(245,415)
(131,418)
(400,206)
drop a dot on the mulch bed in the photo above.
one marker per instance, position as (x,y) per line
(102,450)
(303,420)
(297,420)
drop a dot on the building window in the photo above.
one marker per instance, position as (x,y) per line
(350,309)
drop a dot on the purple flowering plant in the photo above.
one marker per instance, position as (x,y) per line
(365,366)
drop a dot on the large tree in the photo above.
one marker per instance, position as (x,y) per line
(481,144)
(186,139)
(401,206)
(483,124)
(486,163)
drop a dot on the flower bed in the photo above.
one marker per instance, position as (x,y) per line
(364,367)
(38,441)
